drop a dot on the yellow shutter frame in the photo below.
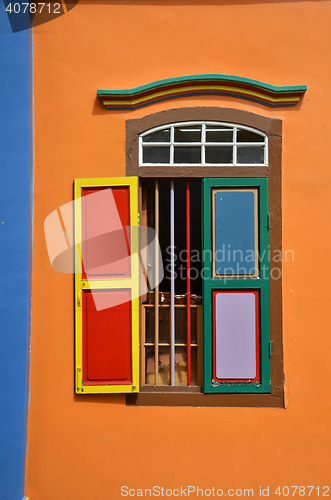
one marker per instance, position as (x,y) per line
(131,283)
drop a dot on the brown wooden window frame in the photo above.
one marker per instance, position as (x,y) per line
(192,396)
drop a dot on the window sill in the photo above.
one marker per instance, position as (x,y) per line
(192,396)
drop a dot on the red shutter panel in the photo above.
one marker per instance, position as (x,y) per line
(107,339)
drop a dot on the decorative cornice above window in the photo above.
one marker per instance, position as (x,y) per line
(197,85)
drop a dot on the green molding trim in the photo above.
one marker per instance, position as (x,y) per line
(197,85)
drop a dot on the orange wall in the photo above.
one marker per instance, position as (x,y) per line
(86,448)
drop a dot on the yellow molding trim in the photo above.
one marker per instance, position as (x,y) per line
(204,88)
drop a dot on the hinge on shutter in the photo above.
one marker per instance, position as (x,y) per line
(269,220)
(79,379)
(270,349)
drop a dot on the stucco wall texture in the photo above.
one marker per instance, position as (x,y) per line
(88,447)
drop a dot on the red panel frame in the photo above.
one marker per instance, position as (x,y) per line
(257,336)
(123,208)
(118,344)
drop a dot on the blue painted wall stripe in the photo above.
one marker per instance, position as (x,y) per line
(15,252)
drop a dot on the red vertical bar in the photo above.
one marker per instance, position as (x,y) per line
(188,282)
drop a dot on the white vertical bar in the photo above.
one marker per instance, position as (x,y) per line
(172,283)
(140,150)
(203,140)
(234,159)
(266,159)
(172,137)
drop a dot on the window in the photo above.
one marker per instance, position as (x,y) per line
(203,143)
(171,333)
(218,340)
(227,267)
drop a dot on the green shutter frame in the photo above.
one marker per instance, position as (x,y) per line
(260,283)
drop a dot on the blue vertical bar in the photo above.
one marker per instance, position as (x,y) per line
(15,251)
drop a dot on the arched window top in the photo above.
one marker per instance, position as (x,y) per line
(199,143)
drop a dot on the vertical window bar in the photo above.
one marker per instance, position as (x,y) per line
(172,138)
(172,284)
(156,260)
(188,282)
(140,150)
(201,143)
(203,140)
(234,159)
